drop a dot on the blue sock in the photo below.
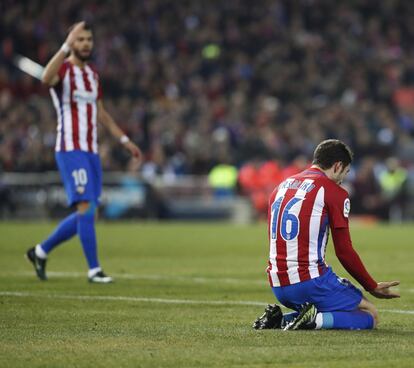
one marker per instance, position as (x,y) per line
(64,231)
(354,320)
(86,232)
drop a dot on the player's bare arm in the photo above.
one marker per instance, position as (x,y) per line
(50,75)
(106,120)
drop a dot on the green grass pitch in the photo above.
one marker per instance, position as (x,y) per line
(185,296)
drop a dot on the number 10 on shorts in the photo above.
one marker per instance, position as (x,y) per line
(80,177)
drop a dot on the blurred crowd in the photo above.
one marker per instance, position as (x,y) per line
(200,83)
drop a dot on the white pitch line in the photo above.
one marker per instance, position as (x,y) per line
(397,311)
(130,299)
(158,300)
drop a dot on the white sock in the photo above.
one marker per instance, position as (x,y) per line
(40,253)
(319,321)
(93,271)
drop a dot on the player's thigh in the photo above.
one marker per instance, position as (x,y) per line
(77,176)
(332,293)
(96,169)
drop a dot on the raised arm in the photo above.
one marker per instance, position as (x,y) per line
(50,75)
(105,119)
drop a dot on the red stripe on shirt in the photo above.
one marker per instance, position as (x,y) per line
(74,110)
(88,111)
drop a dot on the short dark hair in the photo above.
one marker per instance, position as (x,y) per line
(330,151)
(86,27)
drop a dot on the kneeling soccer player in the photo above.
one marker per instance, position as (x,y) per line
(300,210)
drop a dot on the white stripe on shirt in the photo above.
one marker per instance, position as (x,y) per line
(314,229)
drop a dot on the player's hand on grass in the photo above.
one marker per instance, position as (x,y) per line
(73,35)
(382,291)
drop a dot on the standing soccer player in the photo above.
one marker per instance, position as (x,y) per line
(77,96)
(301,209)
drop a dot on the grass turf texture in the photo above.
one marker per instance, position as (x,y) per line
(49,324)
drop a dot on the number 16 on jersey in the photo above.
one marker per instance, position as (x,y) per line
(289,222)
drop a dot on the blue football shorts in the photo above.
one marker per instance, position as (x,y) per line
(327,292)
(81,173)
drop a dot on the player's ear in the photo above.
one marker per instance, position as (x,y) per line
(337,167)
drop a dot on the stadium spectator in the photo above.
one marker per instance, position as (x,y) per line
(223,180)
(393,181)
(278,78)
(367,193)
(257,179)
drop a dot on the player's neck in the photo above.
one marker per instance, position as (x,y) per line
(328,172)
(76,61)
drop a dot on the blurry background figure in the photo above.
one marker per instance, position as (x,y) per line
(7,205)
(367,193)
(223,180)
(393,181)
(257,179)
(299,164)
(130,190)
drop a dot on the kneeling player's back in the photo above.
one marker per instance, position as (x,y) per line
(300,211)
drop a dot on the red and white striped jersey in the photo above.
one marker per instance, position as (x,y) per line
(301,210)
(75,99)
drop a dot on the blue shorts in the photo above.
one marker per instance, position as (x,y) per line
(327,292)
(81,174)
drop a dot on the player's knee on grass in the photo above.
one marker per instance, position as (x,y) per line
(370,308)
(374,314)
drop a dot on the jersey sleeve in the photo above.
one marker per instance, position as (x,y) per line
(339,206)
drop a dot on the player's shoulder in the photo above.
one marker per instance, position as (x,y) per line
(65,66)
(336,196)
(335,189)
